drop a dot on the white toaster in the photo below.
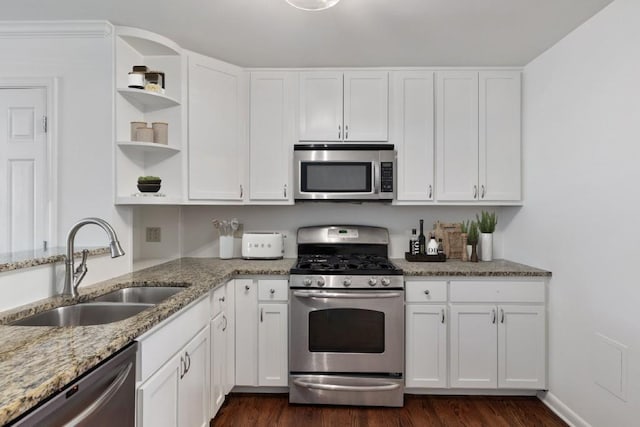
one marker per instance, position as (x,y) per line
(262,245)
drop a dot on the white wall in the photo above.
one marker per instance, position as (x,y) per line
(83,67)
(582,211)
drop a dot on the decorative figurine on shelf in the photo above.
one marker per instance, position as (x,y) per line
(149,184)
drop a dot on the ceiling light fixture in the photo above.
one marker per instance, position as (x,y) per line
(313,5)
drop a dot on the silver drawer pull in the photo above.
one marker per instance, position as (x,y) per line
(247,287)
(335,387)
(426,292)
(272,291)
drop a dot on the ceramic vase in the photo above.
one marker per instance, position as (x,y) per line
(226,247)
(486,246)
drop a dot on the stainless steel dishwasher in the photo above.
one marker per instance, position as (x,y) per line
(105,396)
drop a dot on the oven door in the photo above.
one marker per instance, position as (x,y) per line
(346,331)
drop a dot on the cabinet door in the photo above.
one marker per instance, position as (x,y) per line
(193,390)
(230,337)
(158,397)
(474,346)
(426,345)
(321,106)
(273,367)
(218,356)
(521,346)
(457,135)
(272,135)
(499,137)
(246,332)
(413,111)
(215,145)
(366,106)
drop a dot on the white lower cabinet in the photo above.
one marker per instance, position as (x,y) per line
(261,332)
(218,350)
(173,370)
(222,344)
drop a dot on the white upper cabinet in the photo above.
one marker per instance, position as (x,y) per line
(271,136)
(216,154)
(499,137)
(412,116)
(349,106)
(478,136)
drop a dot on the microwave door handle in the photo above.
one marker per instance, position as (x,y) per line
(376,177)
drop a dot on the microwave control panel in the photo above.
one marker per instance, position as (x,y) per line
(386,177)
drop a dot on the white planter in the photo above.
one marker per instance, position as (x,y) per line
(469,249)
(226,247)
(486,246)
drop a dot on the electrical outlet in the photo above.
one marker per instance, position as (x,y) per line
(153,234)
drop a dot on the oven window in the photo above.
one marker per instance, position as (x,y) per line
(336,177)
(346,330)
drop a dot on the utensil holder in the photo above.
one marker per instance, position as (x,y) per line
(226,247)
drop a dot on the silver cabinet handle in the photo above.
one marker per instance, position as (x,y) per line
(475,191)
(493,315)
(224,328)
(188,361)
(261,315)
(335,387)
(285,191)
(345,295)
(272,291)
(482,191)
(430,191)
(442,313)
(108,394)
(346,132)
(247,287)
(183,367)
(427,292)
(241,191)
(502,315)
(339,131)
(221,299)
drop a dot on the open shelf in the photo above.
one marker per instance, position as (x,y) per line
(148,147)
(148,200)
(146,101)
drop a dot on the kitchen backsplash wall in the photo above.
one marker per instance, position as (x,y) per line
(198,238)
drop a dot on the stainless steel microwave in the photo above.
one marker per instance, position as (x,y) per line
(344,172)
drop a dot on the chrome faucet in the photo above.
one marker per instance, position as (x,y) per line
(72,278)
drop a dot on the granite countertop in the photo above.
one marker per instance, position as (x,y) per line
(35,362)
(25,259)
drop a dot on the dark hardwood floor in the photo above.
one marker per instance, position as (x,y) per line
(258,410)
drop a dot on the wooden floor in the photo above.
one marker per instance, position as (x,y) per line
(274,410)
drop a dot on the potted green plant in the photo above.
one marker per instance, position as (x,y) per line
(487,225)
(472,239)
(149,184)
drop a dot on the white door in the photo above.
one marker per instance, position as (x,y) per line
(474,348)
(457,135)
(413,109)
(158,396)
(193,389)
(320,106)
(273,367)
(426,344)
(272,135)
(24,209)
(218,356)
(215,145)
(246,332)
(366,106)
(521,347)
(499,137)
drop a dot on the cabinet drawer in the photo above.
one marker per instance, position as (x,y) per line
(426,291)
(502,291)
(218,298)
(164,340)
(273,290)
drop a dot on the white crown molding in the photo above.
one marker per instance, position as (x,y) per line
(55,29)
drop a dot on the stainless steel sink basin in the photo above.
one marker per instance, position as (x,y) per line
(83,315)
(141,294)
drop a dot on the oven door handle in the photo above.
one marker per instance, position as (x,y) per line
(335,387)
(352,295)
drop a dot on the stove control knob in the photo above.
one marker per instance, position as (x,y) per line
(346,282)
(385,281)
(307,281)
(320,282)
(373,281)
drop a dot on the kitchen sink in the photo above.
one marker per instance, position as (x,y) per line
(83,314)
(140,294)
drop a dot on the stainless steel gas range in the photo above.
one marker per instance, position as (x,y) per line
(346,322)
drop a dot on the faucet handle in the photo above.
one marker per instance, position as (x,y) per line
(81,270)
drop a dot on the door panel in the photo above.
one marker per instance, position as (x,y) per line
(321,106)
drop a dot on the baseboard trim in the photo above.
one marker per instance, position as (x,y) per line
(562,410)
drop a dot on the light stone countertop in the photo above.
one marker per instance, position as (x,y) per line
(36,362)
(26,259)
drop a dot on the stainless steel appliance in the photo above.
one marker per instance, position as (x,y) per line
(344,172)
(346,328)
(103,397)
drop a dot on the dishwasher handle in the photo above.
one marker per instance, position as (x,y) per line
(107,395)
